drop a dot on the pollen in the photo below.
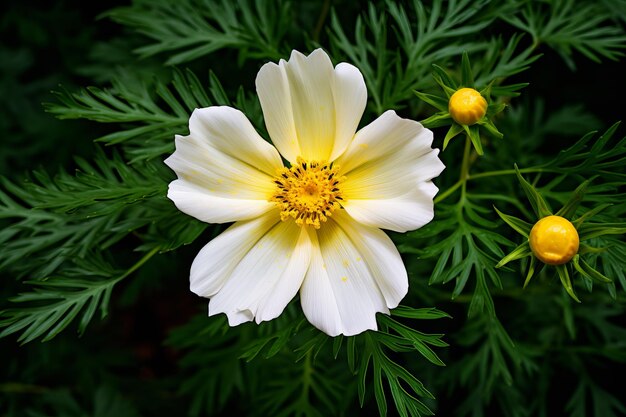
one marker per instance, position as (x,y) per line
(308,192)
(554,240)
(467,106)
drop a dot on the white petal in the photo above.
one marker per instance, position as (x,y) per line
(229,130)
(388,168)
(266,277)
(355,272)
(225,165)
(311,110)
(400,214)
(218,258)
(392,175)
(317,295)
(383,137)
(203,205)
(272,87)
(350,95)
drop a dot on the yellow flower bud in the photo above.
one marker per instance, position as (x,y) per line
(554,240)
(467,106)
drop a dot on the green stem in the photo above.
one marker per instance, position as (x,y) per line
(448,192)
(139,263)
(503,172)
(463,180)
(320,21)
(465,166)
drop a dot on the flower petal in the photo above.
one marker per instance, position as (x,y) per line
(207,207)
(229,130)
(350,95)
(356,271)
(310,109)
(262,278)
(400,214)
(272,87)
(224,167)
(217,259)
(384,138)
(388,168)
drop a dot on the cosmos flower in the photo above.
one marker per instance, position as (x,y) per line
(313,226)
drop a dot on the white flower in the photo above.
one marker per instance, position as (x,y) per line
(313,227)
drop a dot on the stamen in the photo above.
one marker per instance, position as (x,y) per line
(308,192)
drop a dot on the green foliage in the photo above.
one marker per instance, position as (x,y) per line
(56,302)
(590,156)
(502,62)
(467,247)
(286,367)
(493,358)
(254,28)
(424,36)
(65,222)
(396,337)
(602,402)
(150,112)
(106,403)
(211,368)
(568,25)
(91,240)
(64,218)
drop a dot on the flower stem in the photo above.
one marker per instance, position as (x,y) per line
(448,192)
(465,166)
(463,179)
(139,263)
(503,172)
(319,26)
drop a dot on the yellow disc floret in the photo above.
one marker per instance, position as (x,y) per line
(467,106)
(554,240)
(308,192)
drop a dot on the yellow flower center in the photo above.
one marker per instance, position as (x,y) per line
(554,240)
(467,106)
(308,192)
